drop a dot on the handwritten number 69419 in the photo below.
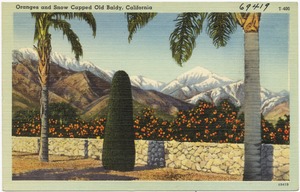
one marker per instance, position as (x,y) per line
(254,6)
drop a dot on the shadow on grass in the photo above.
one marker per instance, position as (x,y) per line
(60,174)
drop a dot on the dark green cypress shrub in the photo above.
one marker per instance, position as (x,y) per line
(118,145)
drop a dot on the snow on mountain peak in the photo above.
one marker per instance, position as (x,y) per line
(235,93)
(24,53)
(146,83)
(62,61)
(191,86)
(74,65)
(199,75)
(194,76)
(194,81)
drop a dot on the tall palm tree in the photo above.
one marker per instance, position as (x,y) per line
(219,27)
(43,22)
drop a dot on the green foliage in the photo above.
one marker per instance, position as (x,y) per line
(63,112)
(137,21)
(204,123)
(220,27)
(78,129)
(283,130)
(25,116)
(24,123)
(268,131)
(118,145)
(188,26)
(147,126)
(58,21)
(183,38)
(209,123)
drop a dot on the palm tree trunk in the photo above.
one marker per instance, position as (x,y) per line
(252,142)
(44,51)
(43,153)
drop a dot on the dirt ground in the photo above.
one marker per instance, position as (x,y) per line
(26,166)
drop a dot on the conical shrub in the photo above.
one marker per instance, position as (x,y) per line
(118,145)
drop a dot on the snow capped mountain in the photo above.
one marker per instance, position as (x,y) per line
(275,99)
(62,61)
(199,74)
(74,65)
(24,53)
(110,73)
(146,83)
(191,86)
(201,84)
(193,82)
(235,93)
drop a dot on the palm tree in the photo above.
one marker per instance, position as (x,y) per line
(219,27)
(43,22)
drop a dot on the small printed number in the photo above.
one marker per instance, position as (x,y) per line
(284,8)
(283,184)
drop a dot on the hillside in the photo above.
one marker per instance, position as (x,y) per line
(82,89)
(86,87)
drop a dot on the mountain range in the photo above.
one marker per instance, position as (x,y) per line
(86,87)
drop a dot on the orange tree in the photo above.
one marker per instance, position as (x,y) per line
(204,123)
(208,123)
(283,130)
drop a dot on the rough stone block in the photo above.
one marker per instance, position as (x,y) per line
(285,153)
(227,150)
(277,152)
(211,150)
(184,167)
(217,150)
(234,171)
(187,163)
(284,169)
(172,165)
(181,157)
(278,173)
(198,167)
(217,162)
(171,157)
(286,177)
(283,160)
(199,150)
(209,163)
(216,169)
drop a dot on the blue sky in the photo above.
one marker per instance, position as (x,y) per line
(149,55)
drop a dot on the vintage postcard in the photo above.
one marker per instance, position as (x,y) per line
(157,96)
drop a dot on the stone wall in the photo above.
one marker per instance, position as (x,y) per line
(156,154)
(205,157)
(75,147)
(141,152)
(281,162)
(25,144)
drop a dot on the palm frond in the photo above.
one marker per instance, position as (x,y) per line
(87,17)
(220,26)
(183,38)
(137,21)
(71,36)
